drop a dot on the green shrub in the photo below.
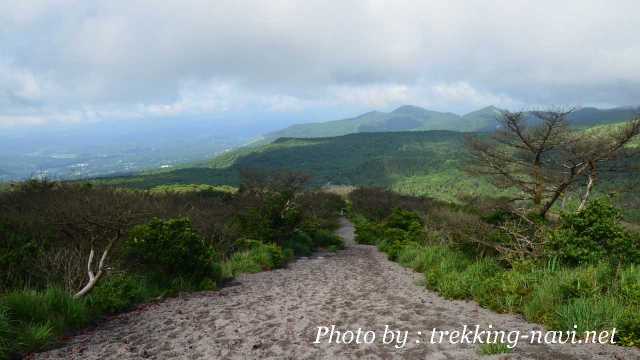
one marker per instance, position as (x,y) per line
(18,254)
(404,220)
(269,256)
(591,235)
(392,241)
(300,243)
(324,239)
(590,314)
(120,292)
(629,328)
(589,281)
(239,263)
(505,291)
(171,248)
(368,233)
(260,257)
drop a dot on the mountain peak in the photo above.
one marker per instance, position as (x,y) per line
(406,109)
(491,110)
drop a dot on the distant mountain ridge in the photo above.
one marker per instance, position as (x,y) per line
(415,118)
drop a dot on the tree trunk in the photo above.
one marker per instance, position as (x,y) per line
(94,277)
(538,184)
(585,197)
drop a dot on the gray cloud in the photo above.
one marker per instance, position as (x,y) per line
(73,59)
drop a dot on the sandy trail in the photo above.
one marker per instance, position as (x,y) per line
(275,315)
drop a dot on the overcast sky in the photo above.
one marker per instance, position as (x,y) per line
(82,60)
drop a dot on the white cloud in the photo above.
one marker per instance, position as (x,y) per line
(375,95)
(462,94)
(18,84)
(158,59)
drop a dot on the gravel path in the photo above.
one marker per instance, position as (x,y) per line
(276,315)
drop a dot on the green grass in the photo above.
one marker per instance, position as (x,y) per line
(53,306)
(31,320)
(197,188)
(590,314)
(258,257)
(240,263)
(5,332)
(34,336)
(494,349)
(592,297)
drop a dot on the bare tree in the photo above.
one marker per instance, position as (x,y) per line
(544,160)
(601,152)
(96,220)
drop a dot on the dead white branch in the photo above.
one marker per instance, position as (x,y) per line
(94,277)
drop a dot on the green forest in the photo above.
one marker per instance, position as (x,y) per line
(424,163)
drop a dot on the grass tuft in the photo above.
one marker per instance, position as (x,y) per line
(590,314)
(493,349)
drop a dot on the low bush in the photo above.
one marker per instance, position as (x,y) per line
(323,238)
(404,220)
(120,292)
(591,235)
(171,248)
(629,328)
(392,240)
(258,257)
(368,233)
(269,256)
(300,243)
(18,255)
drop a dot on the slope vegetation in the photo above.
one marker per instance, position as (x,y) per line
(414,118)
(417,162)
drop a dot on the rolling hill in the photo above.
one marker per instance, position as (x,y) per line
(413,162)
(414,118)
(419,162)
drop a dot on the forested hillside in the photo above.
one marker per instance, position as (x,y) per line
(427,163)
(414,118)
(421,162)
